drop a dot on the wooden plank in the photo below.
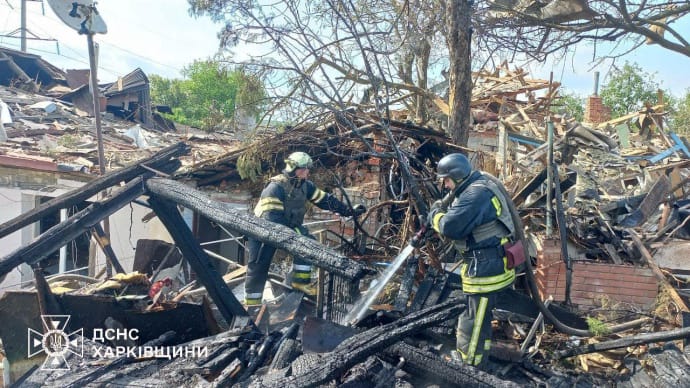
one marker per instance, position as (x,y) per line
(657,272)
(235,274)
(103,241)
(675,182)
(220,293)
(627,117)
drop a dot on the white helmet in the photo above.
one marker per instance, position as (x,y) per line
(298,160)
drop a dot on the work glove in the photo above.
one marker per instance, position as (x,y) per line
(358,210)
(436,207)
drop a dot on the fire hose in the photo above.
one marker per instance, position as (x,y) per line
(532,283)
(421,235)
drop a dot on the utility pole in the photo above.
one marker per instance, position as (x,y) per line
(23,26)
(84,18)
(23,30)
(95,93)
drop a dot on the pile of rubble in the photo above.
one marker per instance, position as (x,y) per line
(591,196)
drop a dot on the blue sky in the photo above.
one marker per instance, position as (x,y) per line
(160,37)
(157,35)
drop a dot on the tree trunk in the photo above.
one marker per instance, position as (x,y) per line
(460,77)
(423,54)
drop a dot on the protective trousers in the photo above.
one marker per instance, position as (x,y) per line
(301,269)
(260,256)
(473,335)
(259,262)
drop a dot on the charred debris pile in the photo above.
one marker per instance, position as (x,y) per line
(617,196)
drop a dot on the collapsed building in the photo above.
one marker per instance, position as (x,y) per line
(594,201)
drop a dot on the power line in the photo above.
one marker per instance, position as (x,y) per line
(103,42)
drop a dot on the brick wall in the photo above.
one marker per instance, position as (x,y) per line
(595,111)
(592,282)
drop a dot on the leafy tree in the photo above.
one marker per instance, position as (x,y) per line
(166,91)
(681,116)
(571,104)
(210,95)
(628,89)
(326,54)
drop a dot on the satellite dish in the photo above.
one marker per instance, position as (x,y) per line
(81,15)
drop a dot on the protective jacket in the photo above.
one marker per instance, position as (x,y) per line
(284,200)
(479,223)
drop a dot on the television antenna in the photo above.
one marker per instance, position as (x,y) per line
(21,32)
(81,16)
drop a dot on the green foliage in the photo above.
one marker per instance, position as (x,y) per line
(210,95)
(249,165)
(572,104)
(628,89)
(680,118)
(597,327)
(68,141)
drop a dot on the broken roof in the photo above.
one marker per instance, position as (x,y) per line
(134,81)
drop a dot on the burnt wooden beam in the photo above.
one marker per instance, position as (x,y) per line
(160,161)
(163,339)
(47,303)
(418,362)
(103,241)
(656,195)
(68,230)
(265,231)
(632,340)
(657,272)
(217,289)
(359,347)
(423,363)
(532,185)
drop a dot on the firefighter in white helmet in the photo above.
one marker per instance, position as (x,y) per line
(284,201)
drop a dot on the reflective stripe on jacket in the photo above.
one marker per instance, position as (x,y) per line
(284,200)
(475,207)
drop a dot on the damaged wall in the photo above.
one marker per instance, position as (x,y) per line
(593,282)
(20,189)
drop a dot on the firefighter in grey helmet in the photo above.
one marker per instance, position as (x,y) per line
(284,201)
(478,222)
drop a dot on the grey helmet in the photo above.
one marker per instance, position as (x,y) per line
(455,166)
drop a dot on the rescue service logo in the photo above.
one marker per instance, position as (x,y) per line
(55,342)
